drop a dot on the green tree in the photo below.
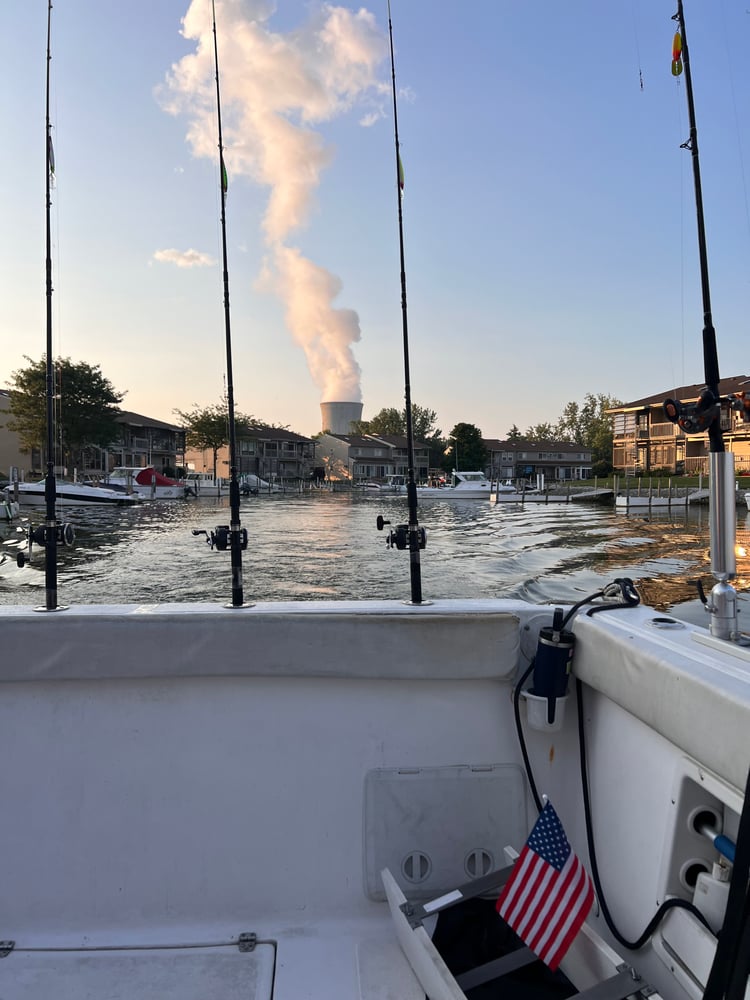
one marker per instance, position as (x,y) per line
(590,425)
(207,427)
(85,406)
(466,449)
(514,434)
(389,420)
(539,432)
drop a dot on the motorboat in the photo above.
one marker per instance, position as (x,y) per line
(391,484)
(251,485)
(272,801)
(203,484)
(146,483)
(462,485)
(68,495)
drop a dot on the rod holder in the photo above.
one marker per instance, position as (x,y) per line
(722,603)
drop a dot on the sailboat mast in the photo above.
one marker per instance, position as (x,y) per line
(235,527)
(50,486)
(415,568)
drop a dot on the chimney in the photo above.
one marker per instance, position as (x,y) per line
(336,417)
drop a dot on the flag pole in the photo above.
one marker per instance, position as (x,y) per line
(235,526)
(415,568)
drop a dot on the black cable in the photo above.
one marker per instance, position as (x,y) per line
(667,905)
(521,740)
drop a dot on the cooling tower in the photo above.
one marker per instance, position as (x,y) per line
(336,417)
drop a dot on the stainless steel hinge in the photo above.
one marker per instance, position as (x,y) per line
(6,947)
(247,941)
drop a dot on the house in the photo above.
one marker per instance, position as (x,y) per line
(12,459)
(644,440)
(272,453)
(359,457)
(142,441)
(146,441)
(557,461)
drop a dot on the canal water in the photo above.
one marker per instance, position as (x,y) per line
(326,546)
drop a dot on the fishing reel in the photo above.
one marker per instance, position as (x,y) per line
(398,537)
(64,535)
(220,537)
(741,402)
(696,418)
(693,418)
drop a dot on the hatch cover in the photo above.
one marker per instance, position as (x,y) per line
(222,973)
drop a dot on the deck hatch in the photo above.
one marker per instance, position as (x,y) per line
(225,972)
(435,826)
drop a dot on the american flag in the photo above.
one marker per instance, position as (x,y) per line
(549,893)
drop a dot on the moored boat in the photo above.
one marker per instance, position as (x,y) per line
(145,483)
(203,484)
(462,486)
(68,495)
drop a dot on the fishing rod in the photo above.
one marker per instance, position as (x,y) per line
(49,535)
(705,415)
(237,537)
(416,537)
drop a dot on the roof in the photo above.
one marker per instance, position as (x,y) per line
(492,444)
(687,393)
(261,432)
(128,417)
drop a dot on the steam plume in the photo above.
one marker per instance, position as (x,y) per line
(275,89)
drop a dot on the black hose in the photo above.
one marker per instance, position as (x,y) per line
(521,740)
(667,905)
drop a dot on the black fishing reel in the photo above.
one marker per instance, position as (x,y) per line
(64,535)
(694,418)
(398,537)
(220,537)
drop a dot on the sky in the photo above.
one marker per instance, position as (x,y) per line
(548,209)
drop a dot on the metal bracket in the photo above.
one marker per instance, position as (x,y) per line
(6,947)
(641,989)
(247,941)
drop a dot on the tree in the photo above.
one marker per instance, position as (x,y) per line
(514,434)
(389,420)
(85,405)
(539,432)
(207,428)
(465,446)
(589,425)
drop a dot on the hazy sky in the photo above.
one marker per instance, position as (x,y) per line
(548,209)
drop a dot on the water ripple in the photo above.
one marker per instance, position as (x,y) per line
(326,546)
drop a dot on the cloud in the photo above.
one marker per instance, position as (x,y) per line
(276,90)
(184,258)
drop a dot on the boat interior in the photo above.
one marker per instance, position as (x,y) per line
(255,802)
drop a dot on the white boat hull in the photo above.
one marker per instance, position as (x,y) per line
(70,495)
(161,798)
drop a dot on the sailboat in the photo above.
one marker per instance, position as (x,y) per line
(328,799)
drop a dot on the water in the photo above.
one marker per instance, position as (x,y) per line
(326,546)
